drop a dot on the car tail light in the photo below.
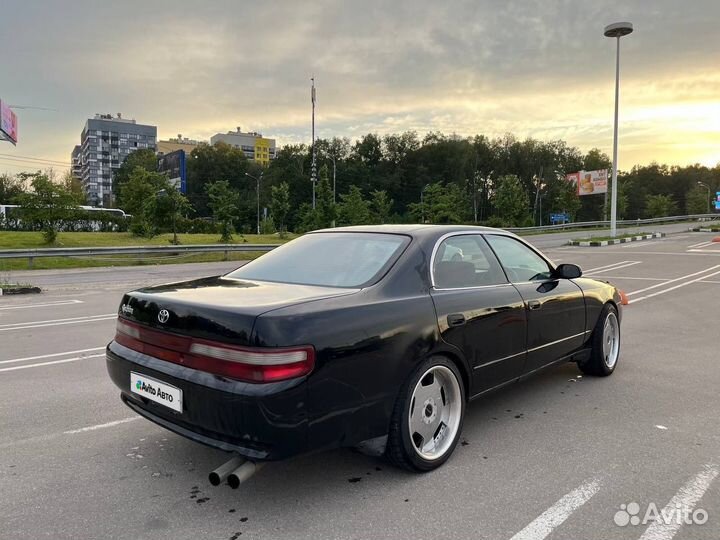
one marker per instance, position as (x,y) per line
(250,364)
(257,364)
(128,330)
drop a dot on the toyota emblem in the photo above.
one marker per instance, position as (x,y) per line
(163,316)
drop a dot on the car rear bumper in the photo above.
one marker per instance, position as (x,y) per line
(257,421)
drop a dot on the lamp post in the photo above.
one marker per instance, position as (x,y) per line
(616,30)
(708,195)
(313,168)
(257,179)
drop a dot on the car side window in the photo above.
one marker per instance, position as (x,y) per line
(465,261)
(519,261)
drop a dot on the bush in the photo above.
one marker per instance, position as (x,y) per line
(196,226)
(267,226)
(76,220)
(497,222)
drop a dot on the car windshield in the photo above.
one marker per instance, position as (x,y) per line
(327,259)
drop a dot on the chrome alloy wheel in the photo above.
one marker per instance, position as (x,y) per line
(611,340)
(435,412)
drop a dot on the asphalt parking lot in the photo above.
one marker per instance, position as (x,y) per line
(555,456)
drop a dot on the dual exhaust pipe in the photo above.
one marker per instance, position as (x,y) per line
(236,471)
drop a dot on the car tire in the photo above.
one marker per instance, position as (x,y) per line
(605,344)
(427,417)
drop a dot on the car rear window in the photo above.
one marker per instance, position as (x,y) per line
(328,259)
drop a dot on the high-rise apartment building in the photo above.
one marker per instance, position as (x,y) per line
(105,142)
(253,144)
(75,159)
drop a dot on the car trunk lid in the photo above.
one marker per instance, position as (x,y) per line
(216,308)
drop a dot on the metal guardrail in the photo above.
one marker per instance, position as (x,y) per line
(628,222)
(31,254)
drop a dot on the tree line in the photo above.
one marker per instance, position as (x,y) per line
(397,178)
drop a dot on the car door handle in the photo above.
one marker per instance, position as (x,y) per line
(534,304)
(456,319)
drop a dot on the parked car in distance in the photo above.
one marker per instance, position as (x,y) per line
(374,337)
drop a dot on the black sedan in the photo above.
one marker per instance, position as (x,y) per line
(373,337)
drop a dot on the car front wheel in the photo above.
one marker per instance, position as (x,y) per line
(427,418)
(605,344)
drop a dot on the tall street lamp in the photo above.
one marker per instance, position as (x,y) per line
(313,167)
(616,30)
(708,195)
(257,179)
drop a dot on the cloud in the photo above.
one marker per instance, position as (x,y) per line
(535,68)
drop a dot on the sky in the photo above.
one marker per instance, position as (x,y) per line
(540,69)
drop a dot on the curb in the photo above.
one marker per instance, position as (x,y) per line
(600,243)
(700,229)
(20,290)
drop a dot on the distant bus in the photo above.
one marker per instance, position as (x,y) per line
(10,215)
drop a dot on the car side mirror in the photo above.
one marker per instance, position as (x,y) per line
(568,271)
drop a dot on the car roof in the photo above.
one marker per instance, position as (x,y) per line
(415,230)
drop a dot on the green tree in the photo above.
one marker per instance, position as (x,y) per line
(47,205)
(170,204)
(307,218)
(207,164)
(223,201)
(441,204)
(353,208)
(623,200)
(280,206)
(697,201)
(144,158)
(324,205)
(380,206)
(151,200)
(511,201)
(659,206)
(10,188)
(74,186)
(562,197)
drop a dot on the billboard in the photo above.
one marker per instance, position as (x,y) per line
(8,123)
(174,165)
(590,182)
(717,201)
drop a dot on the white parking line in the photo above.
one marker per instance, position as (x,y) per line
(56,322)
(46,304)
(635,277)
(53,355)
(629,263)
(686,498)
(101,426)
(673,288)
(613,265)
(674,280)
(64,361)
(643,244)
(699,244)
(542,526)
